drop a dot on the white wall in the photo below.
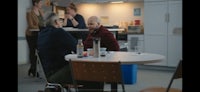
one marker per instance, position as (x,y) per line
(116,12)
(22,24)
(23,51)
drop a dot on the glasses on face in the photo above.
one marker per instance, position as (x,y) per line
(61,20)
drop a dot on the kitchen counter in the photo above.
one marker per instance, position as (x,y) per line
(112,30)
(139,33)
(76,29)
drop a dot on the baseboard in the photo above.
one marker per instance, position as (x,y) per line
(22,62)
(154,67)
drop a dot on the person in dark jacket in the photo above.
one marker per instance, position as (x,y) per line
(53,44)
(75,20)
(107,40)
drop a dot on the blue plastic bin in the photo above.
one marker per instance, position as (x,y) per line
(129,73)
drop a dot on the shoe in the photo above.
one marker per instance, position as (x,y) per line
(32,73)
(37,75)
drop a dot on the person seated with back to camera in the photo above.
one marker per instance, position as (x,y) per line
(107,40)
(53,44)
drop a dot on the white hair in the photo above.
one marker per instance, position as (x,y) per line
(95,18)
(51,18)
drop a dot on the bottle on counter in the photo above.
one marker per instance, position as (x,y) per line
(80,48)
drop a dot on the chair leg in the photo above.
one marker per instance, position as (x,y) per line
(68,89)
(40,90)
(123,88)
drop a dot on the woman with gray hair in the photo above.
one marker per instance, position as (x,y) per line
(53,44)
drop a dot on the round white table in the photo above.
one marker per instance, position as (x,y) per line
(123,57)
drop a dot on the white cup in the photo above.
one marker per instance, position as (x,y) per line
(138,49)
(90,52)
(103,51)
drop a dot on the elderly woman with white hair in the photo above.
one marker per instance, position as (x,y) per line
(53,44)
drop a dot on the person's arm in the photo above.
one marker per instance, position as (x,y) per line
(110,42)
(41,12)
(70,18)
(81,22)
(88,43)
(74,21)
(67,40)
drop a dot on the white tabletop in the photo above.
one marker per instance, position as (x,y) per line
(123,57)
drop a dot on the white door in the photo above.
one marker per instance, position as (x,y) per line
(155,29)
(175,33)
(155,16)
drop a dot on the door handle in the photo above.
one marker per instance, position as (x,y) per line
(177,30)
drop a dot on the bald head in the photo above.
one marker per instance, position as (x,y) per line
(94,19)
(93,23)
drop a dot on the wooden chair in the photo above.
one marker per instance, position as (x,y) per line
(48,84)
(177,74)
(96,72)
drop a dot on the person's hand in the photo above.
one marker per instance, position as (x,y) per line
(68,16)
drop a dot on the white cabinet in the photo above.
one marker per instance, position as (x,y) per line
(155,29)
(174,33)
(162,30)
(135,40)
(156,44)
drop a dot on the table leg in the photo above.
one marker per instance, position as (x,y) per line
(113,87)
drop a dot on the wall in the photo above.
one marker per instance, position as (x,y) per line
(22,24)
(23,6)
(116,13)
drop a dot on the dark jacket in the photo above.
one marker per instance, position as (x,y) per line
(81,22)
(107,39)
(53,45)
(81,25)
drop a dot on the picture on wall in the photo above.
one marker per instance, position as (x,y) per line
(137,11)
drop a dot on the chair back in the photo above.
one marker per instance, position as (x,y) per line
(96,71)
(39,66)
(177,74)
(49,87)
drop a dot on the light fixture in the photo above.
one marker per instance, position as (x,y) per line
(117,2)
